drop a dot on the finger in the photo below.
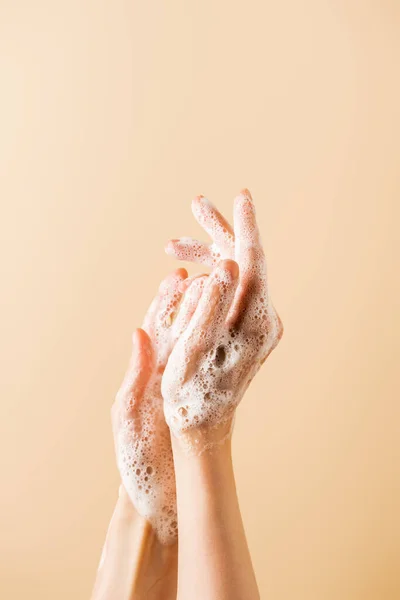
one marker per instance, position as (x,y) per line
(187,308)
(215,225)
(186,283)
(194,251)
(170,296)
(247,234)
(249,254)
(162,306)
(206,323)
(137,375)
(214,303)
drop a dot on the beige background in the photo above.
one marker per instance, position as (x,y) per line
(113,115)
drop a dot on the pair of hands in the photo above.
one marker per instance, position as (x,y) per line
(202,341)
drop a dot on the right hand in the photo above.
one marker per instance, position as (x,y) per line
(232,332)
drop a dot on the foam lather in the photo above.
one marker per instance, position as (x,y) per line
(233,330)
(142,437)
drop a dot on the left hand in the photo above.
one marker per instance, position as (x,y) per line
(141,435)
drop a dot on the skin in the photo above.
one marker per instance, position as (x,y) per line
(136,563)
(142,437)
(214,560)
(233,330)
(230,308)
(214,542)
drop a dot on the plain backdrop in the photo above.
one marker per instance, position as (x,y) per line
(113,116)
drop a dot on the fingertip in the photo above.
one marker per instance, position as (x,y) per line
(139,370)
(181,273)
(172,245)
(171,281)
(199,202)
(230,266)
(136,335)
(140,337)
(196,204)
(245,219)
(244,199)
(246,193)
(169,247)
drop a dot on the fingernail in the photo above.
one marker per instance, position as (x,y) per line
(246,193)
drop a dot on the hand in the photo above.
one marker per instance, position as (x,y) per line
(141,435)
(233,329)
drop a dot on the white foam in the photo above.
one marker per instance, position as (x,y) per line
(210,368)
(143,442)
(146,465)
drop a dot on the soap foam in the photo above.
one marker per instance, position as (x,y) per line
(203,387)
(146,465)
(143,442)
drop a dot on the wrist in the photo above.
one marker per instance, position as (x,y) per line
(134,564)
(204,465)
(204,438)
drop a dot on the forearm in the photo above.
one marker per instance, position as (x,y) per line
(134,565)
(214,560)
